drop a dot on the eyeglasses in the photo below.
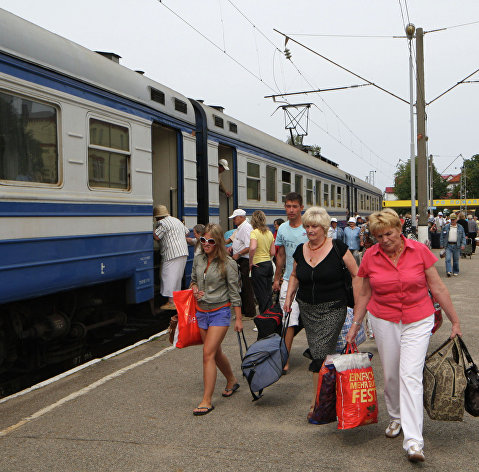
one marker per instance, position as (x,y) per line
(209,241)
(157,218)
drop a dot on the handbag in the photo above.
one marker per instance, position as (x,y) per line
(187,331)
(356,397)
(444,382)
(348,281)
(324,410)
(360,337)
(471,395)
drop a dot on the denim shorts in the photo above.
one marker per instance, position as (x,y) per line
(220,317)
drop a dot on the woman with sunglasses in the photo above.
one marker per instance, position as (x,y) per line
(214,280)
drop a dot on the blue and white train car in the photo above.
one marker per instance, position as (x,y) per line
(87,147)
(265,169)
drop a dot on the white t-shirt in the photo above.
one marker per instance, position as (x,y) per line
(452,234)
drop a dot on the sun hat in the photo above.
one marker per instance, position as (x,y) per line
(238,212)
(160,210)
(335,220)
(352,220)
(224,163)
(440,213)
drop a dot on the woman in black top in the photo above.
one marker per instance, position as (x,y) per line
(318,278)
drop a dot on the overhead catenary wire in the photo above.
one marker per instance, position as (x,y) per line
(265,83)
(454,86)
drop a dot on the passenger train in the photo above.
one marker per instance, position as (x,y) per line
(87,148)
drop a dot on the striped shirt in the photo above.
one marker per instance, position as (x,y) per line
(172,233)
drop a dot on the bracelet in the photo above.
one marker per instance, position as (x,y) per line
(356,323)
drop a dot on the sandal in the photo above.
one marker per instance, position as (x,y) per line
(203,410)
(230,391)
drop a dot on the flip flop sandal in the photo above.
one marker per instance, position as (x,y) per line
(203,410)
(232,390)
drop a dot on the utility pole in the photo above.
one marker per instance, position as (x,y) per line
(431,181)
(410,29)
(421,138)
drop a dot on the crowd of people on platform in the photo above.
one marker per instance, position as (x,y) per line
(305,260)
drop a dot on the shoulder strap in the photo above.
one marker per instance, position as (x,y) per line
(240,344)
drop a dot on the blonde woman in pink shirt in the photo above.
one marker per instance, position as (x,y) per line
(396,275)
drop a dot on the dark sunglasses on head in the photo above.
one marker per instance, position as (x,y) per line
(209,241)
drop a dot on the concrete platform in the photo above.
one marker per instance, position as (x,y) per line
(134,413)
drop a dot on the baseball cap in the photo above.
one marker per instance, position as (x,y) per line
(224,163)
(334,219)
(453,216)
(440,213)
(352,220)
(238,212)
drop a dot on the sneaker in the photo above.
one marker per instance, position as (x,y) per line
(393,429)
(455,275)
(415,454)
(449,274)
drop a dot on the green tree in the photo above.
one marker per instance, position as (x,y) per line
(472,176)
(402,182)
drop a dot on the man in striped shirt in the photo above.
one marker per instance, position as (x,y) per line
(171,234)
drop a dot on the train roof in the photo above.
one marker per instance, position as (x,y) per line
(254,137)
(30,42)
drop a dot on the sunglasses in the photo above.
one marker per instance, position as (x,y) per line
(209,241)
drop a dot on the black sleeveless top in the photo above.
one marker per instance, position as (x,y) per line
(325,281)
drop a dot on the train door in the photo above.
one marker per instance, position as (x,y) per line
(228,183)
(164,147)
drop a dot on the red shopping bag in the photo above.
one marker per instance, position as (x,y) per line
(325,405)
(356,399)
(187,331)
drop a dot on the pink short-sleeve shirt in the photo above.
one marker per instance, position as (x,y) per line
(399,293)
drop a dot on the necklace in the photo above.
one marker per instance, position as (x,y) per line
(316,248)
(395,258)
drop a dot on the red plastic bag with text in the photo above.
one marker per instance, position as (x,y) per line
(187,331)
(356,399)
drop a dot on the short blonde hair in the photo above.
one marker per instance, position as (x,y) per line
(317,216)
(382,220)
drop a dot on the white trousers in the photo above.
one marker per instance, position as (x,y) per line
(403,349)
(171,273)
(294,316)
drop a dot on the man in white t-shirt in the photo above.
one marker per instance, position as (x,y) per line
(290,235)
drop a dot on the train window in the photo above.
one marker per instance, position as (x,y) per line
(361,201)
(181,106)
(326,195)
(219,122)
(157,95)
(108,155)
(28,140)
(339,199)
(233,127)
(252,181)
(270,184)
(333,195)
(298,184)
(286,184)
(318,192)
(368,205)
(309,192)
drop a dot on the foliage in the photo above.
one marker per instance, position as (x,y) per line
(472,176)
(402,182)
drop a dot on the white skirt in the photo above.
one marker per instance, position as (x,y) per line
(171,273)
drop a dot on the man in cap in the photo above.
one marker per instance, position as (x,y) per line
(453,239)
(170,233)
(222,166)
(351,238)
(334,231)
(440,222)
(240,250)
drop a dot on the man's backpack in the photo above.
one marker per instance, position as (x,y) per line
(264,360)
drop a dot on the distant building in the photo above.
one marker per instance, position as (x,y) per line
(453,181)
(389,194)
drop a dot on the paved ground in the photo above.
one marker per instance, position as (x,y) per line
(134,413)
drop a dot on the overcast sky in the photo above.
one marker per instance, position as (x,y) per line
(362,129)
